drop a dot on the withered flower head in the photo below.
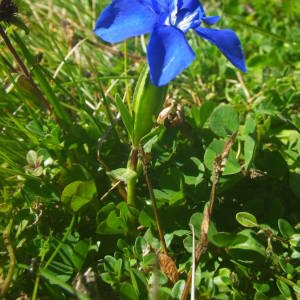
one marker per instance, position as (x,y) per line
(8,10)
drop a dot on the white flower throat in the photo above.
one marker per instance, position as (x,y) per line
(183,19)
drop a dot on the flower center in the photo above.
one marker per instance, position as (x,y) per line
(183,19)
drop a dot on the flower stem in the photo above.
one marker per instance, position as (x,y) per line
(23,68)
(14,52)
(151,193)
(131,184)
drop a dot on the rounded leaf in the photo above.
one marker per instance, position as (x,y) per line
(224,120)
(78,193)
(215,148)
(285,228)
(246,219)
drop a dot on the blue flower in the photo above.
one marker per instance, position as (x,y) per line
(168,21)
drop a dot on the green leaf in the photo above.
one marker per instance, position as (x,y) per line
(53,279)
(260,296)
(114,219)
(116,222)
(197,178)
(286,266)
(149,260)
(224,120)
(148,101)
(296,288)
(108,278)
(202,113)
(79,193)
(140,247)
(249,127)
(146,217)
(127,292)
(225,239)
(151,240)
(112,265)
(283,288)
(262,287)
(222,280)
(31,157)
(178,289)
(247,251)
(168,196)
(285,228)
(215,148)
(123,174)
(125,115)
(295,240)
(246,219)
(249,148)
(139,282)
(80,253)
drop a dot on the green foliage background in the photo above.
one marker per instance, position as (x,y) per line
(57,170)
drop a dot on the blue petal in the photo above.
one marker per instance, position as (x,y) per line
(168,54)
(123,19)
(159,6)
(228,42)
(194,4)
(190,4)
(211,20)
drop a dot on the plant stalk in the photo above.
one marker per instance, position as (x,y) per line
(14,53)
(151,193)
(131,184)
(12,259)
(219,165)
(23,67)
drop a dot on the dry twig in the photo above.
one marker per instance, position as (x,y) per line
(219,165)
(12,260)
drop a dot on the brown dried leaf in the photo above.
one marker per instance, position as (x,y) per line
(168,266)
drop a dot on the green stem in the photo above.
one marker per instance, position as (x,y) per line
(131,184)
(37,279)
(36,288)
(154,205)
(61,242)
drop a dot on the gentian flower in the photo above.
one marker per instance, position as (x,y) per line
(168,21)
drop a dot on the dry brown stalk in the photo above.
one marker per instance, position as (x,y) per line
(219,165)
(12,260)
